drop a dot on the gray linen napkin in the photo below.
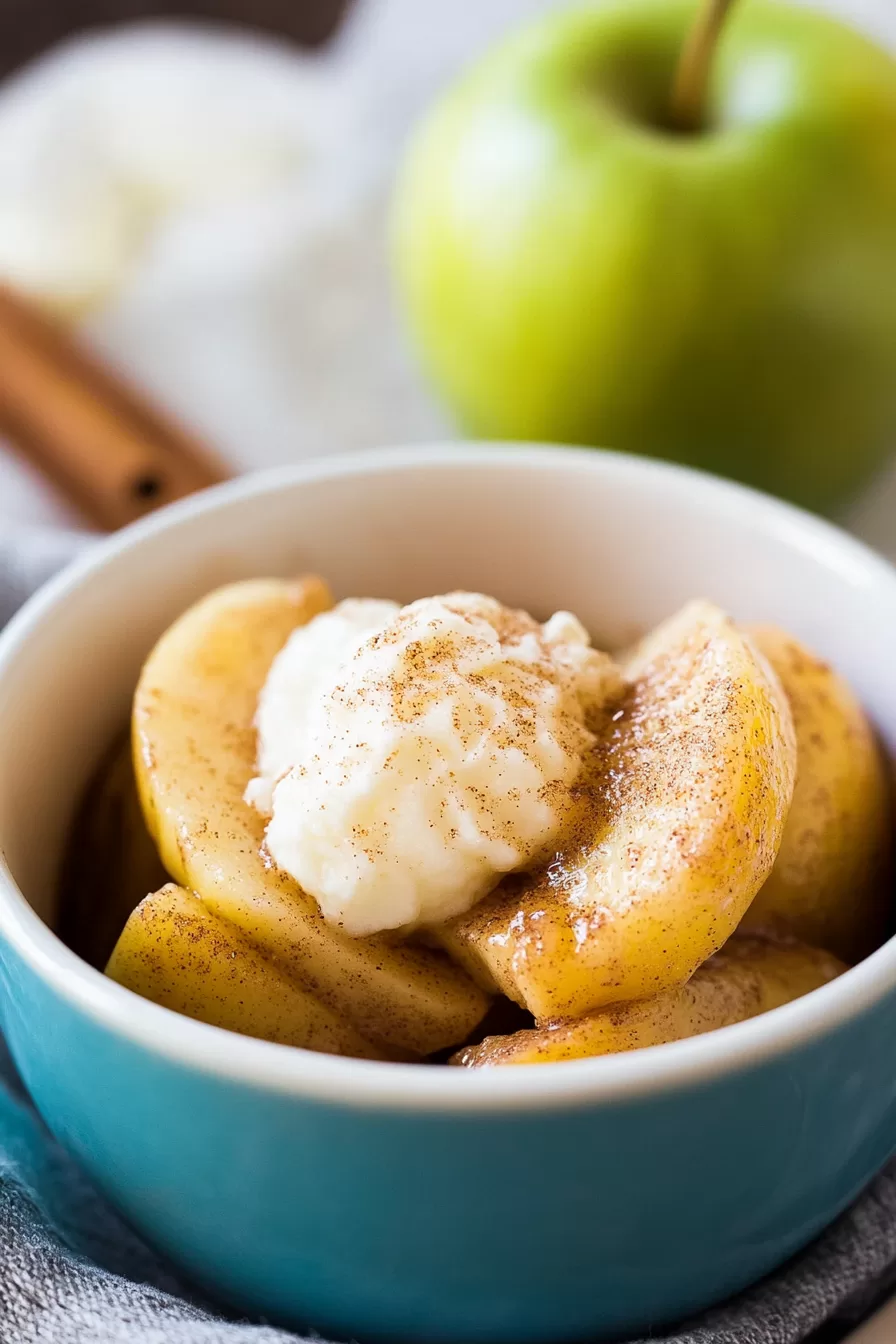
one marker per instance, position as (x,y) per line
(71,1271)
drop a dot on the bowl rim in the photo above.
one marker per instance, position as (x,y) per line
(363,1083)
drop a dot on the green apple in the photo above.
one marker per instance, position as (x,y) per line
(576,270)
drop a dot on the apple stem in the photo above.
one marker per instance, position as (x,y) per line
(694,63)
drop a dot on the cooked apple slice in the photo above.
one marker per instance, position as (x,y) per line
(747,977)
(176,952)
(194,752)
(831,883)
(111,860)
(677,828)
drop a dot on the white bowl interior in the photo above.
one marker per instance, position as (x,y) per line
(618,541)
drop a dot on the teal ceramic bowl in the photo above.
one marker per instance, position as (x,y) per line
(603,1197)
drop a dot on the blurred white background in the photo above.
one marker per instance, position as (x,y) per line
(210,211)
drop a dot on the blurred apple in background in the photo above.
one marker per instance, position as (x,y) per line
(578,263)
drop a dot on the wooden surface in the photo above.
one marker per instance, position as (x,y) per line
(28,27)
(881,1329)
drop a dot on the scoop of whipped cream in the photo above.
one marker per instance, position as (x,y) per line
(301,676)
(408,757)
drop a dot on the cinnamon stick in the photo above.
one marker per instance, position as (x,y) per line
(113,454)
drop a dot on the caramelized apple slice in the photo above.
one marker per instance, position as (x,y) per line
(831,881)
(177,953)
(111,860)
(678,825)
(194,752)
(747,977)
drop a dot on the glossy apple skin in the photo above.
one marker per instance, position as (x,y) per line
(573,272)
